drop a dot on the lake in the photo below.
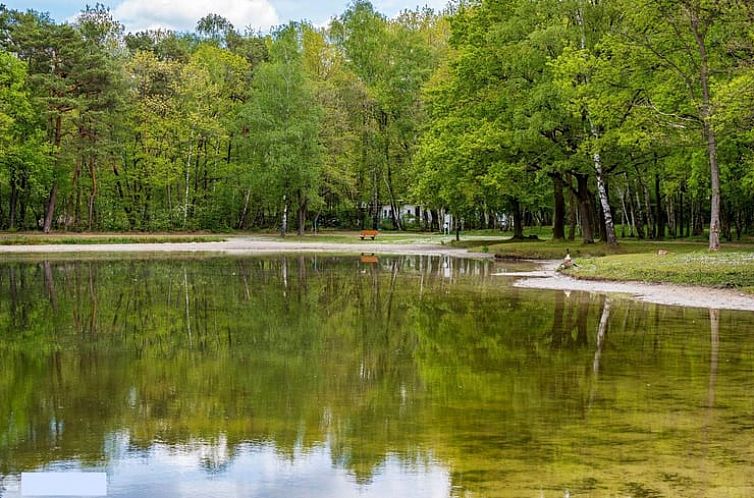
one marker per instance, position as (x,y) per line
(330,376)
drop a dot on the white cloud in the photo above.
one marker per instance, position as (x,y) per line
(182,15)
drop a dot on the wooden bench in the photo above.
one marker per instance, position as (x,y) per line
(369,233)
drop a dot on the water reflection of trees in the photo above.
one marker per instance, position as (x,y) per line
(419,357)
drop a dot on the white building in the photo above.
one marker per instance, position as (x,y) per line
(412,213)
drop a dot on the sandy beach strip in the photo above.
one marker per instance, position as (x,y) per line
(242,246)
(668,294)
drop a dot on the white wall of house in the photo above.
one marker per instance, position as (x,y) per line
(408,212)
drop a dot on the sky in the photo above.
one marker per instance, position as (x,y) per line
(182,15)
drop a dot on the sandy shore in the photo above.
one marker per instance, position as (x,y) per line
(674,295)
(545,278)
(242,246)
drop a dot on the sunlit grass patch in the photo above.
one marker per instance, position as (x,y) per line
(733,269)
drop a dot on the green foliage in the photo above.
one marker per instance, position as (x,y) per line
(282,120)
(491,110)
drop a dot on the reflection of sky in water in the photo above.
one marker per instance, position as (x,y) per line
(255,471)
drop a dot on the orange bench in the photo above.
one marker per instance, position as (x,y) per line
(369,233)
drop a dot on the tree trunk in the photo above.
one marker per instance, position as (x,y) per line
(24,199)
(585,211)
(640,233)
(188,179)
(376,207)
(52,198)
(670,216)
(572,214)
(726,221)
(681,220)
(395,213)
(72,212)
(394,210)
(709,131)
(518,220)
(651,220)
(245,211)
(607,212)
(631,213)
(121,196)
(558,224)
(50,209)
(302,206)
(93,193)
(659,211)
(284,224)
(607,215)
(13,198)
(623,214)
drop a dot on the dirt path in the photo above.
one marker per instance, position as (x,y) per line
(669,294)
(242,246)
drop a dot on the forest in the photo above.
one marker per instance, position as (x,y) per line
(602,118)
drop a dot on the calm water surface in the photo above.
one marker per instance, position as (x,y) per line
(303,376)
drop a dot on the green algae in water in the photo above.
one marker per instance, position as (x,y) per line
(338,376)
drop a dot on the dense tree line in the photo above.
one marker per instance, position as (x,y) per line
(596,116)
(214,129)
(635,112)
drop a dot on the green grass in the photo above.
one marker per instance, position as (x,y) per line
(386,237)
(688,262)
(729,269)
(68,238)
(549,249)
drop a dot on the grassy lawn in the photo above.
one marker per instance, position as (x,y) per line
(730,268)
(687,262)
(22,239)
(549,249)
(386,237)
